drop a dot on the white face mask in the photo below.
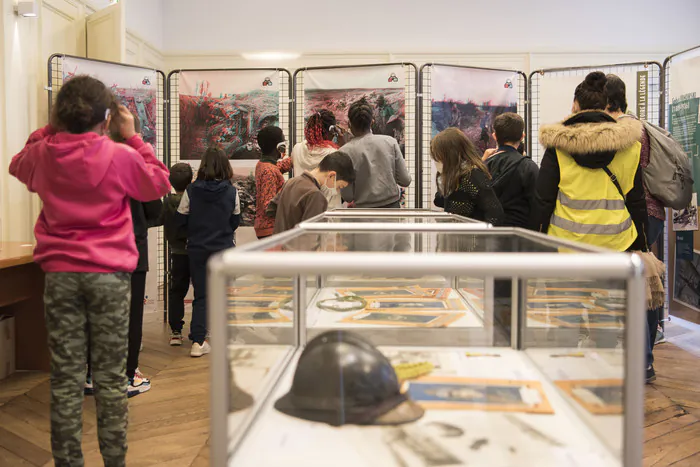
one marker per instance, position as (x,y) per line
(438,166)
(331,187)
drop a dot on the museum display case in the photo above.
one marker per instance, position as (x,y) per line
(395,219)
(520,349)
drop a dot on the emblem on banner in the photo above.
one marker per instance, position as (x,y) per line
(146,81)
(508,85)
(267,82)
(393,78)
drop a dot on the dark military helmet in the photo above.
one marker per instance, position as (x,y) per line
(341,379)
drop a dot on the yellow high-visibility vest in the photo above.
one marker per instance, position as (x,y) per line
(589,207)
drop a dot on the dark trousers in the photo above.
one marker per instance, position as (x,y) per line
(138,293)
(653,317)
(656,228)
(198,270)
(179,286)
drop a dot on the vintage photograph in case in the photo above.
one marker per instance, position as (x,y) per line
(560,292)
(250,304)
(400,305)
(257,317)
(598,396)
(261,291)
(588,319)
(396,292)
(419,319)
(449,393)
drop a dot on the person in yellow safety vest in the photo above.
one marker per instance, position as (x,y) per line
(590,186)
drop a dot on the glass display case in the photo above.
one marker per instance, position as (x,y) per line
(520,349)
(395,219)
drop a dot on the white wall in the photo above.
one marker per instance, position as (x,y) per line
(145,18)
(400,26)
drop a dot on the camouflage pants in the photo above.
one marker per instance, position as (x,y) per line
(74,301)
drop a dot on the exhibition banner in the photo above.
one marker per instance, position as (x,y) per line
(136,88)
(470,99)
(642,94)
(686,283)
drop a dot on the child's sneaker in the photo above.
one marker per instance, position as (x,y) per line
(199,350)
(89,389)
(176,338)
(138,385)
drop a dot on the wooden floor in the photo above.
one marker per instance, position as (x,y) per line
(169,426)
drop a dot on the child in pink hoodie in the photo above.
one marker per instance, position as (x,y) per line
(85,244)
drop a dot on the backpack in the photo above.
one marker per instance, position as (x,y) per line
(668,177)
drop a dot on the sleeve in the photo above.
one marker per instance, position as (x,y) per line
(637,206)
(348,193)
(403,178)
(23,164)
(546,191)
(315,203)
(144,178)
(439,200)
(153,211)
(529,181)
(183,211)
(236,214)
(486,199)
(285,165)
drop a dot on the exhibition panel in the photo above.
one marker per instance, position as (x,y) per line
(682,120)
(391,90)
(467,98)
(543,352)
(142,91)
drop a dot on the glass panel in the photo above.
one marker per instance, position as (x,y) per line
(392,220)
(490,241)
(575,333)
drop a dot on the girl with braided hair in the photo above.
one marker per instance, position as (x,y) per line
(308,154)
(378,161)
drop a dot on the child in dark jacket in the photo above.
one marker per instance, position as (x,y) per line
(210,208)
(85,245)
(268,176)
(180,178)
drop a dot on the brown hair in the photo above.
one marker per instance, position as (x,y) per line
(114,132)
(82,104)
(458,156)
(509,128)
(590,94)
(214,166)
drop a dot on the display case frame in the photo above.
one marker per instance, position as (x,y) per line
(414,220)
(253,259)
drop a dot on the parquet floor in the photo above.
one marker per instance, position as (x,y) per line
(169,426)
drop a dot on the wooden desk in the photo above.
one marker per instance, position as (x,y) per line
(22,296)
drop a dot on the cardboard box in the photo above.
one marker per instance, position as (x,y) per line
(7,346)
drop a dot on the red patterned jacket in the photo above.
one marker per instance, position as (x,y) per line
(268,182)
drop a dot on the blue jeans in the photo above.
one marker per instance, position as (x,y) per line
(652,325)
(656,228)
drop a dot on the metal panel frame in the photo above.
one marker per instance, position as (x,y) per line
(300,89)
(422,114)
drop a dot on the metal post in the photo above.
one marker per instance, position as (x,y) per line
(220,380)
(515,341)
(299,301)
(635,368)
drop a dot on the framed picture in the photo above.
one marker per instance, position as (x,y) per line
(591,320)
(449,393)
(261,290)
(598,396)
(546,306)
(257,317)
(408,319)
(239,304)
(560,292)
(405,304)
(396,292)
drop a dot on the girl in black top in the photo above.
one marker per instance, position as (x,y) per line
(464,182)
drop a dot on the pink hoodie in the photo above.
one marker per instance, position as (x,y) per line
(85,182)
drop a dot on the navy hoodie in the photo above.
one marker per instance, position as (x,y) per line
(212,212)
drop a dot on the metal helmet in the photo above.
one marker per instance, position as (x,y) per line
(341,379)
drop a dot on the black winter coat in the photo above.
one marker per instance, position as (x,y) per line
(592,138)
(144,216)
(514,179)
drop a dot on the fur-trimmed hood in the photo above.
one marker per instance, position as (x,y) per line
(592,137)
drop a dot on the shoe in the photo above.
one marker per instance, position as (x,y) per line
(89,389)
(176,338)
(651,374)
(138,385)
(199,350)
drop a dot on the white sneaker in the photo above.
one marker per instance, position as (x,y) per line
(199,350)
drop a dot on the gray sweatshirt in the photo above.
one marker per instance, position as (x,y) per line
(379,168)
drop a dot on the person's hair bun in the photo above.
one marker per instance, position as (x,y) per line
(596,81)
(76,114)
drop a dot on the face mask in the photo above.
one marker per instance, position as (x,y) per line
(331,187)
(438,166)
